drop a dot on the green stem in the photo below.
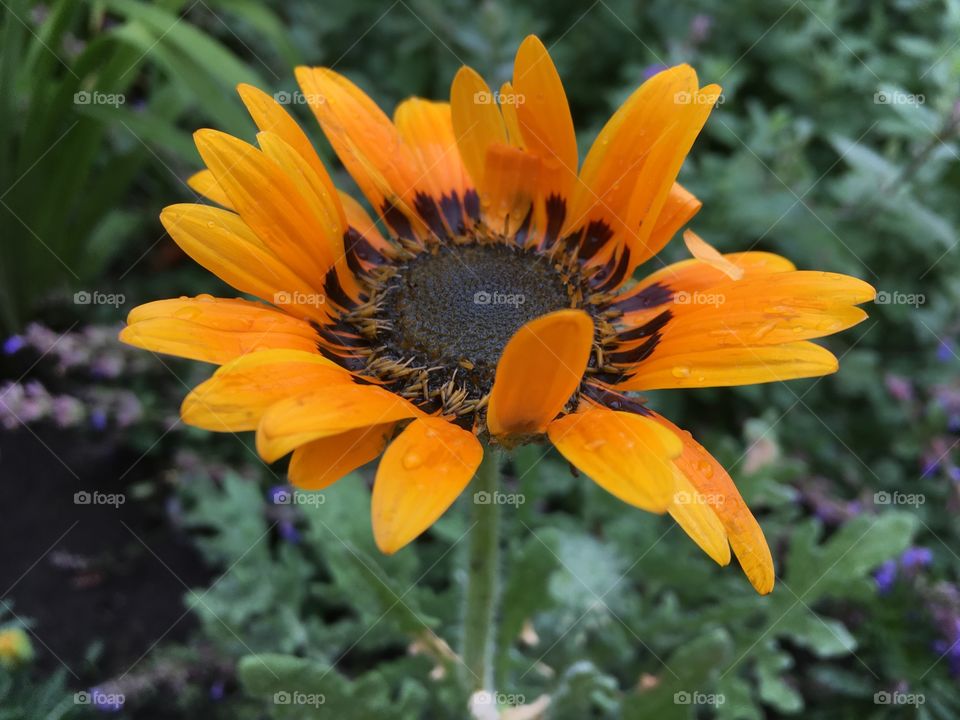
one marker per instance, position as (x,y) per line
(483,578)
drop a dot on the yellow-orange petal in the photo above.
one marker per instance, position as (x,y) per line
(678,210)
(270,116)
(626,454)
(727,366)
(367,143)
(265,197)
(205,184)
(477,123)
(718,489)
(214,330)
(691,509)
(221,242)
(539,370)
(239,392)
(420,475)
(427,129)
(543,116)
(320,463)
(704,251)
(293,422)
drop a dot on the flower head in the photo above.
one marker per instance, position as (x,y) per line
(15,647)
(493,302)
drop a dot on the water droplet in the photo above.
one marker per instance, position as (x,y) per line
(186,313)
(681,371)
(705,468)
(595,444)
(412,460)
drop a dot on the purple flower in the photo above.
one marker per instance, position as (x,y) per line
(916,557)
(945,351)
(289,532)
(13,344)
(650,70)
(98,418)
(217,691)
(885,576)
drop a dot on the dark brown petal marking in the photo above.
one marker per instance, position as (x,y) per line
(647,329)
(471,203)
(635,355)
(520,237)
(596,237)
(614,400)
(335,292)
(398,222)
(652,296)
(556,213)
(361,249)
(605,280)
(452,210)
(428,211)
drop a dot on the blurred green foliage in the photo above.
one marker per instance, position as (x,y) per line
(836,145)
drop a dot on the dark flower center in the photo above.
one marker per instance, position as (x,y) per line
(462,304)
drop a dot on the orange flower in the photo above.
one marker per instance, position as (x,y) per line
(498,305)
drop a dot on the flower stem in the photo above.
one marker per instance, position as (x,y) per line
(483,578)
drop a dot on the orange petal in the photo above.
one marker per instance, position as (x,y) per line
(722,367)
(511,178)
(270,116)
(420,475)
(539,370)
(205,184)
(702,250)
(712,481)
(477,123)
(626,454)
(214,330)
(543,116)
(427,128)
(265,197)
(692,511)
(239,392)
(328,411)
(678,210)
(320,463)
(367,143)
(222,243)
(360,221)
